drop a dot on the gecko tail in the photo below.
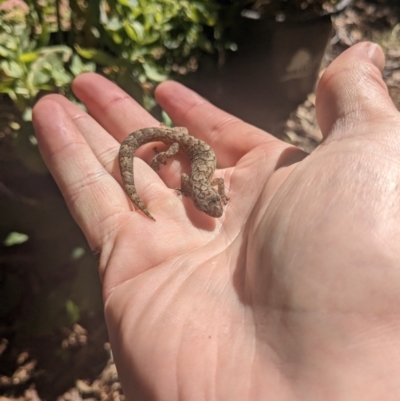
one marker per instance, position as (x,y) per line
(134,197)
(140,205)
(146,212)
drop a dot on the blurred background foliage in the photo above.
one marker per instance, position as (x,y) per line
(48,276)
(45,44)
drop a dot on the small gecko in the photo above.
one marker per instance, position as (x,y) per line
(199,184)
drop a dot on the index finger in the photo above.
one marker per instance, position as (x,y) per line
(110,106)
(230,137)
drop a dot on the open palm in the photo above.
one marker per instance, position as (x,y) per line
(256,304)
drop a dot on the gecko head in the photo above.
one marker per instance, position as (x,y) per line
(210,203)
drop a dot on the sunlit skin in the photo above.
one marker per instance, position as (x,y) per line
(293,293)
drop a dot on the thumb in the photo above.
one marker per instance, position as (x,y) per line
(351,91)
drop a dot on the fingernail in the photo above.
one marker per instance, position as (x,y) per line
(376,55)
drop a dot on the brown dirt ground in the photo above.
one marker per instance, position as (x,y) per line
(376,21)
(364,20)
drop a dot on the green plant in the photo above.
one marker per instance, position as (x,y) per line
(28,65)
(44,44)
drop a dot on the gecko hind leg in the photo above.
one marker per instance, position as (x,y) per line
(161,158)
(186,188)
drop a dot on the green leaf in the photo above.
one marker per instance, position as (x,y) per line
(86,53)
(9,42)
(78,67)
(28,57)
(151,38)
(61,77)
(7,53)
(148,102)
(73,311)
(15,238)
(134,30)
(77,253)
(153,73)
(113,25)
(192,14)
(39,78)
(117,38)
(27,114)
(98,56)
(6,86)
(166,119)
(63,52)
(11,69)
(129,3)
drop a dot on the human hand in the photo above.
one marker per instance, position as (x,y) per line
(292,294)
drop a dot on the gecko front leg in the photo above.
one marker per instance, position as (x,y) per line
(221,189)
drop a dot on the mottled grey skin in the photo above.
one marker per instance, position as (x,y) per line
(199,184)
